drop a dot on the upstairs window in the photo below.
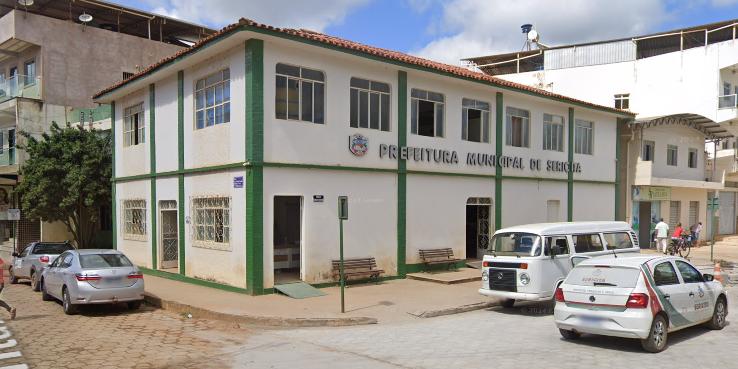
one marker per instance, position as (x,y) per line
(426,118)
(553,132)
(29,68)
(517,127)
(134,128)
(474,120)
(370,104)
(300,94)
(583,137)
(213,99)
(622,101)
(692,158)
(671,155)
(648,150)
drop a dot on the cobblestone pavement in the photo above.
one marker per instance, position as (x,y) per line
(113,336)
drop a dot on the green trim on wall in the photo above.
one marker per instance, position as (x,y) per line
(114,201)
(180,179)
(499,115)
(401,174)
(197,281)
(570,179)
(152,168)
(173,173)
(255,173)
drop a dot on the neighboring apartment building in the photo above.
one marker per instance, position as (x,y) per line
(51,63)
(683,86)
(247,140)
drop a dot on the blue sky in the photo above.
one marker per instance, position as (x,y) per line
(451,29)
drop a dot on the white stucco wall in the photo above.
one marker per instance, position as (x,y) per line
(138,249)
(684,139)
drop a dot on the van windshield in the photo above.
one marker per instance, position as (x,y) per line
(518,244)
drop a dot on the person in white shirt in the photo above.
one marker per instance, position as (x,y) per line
(662,235)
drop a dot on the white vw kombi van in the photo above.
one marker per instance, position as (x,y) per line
(528,262)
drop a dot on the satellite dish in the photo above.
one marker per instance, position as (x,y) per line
(85,18)
(25,2)
(533,36)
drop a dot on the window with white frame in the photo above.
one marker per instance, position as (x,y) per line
(622,101)
(211,221)
(134,127)
(671,155)
(474,120)
(692,158)
(134,219)
(213,99)
(300,94)
(648,150)
(370,104)
(517,127)
(553,132)
(583,137)
(426,117)
(727,88)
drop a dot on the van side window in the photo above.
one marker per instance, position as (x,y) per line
(587,243)
(560,241)
(664,274)
(617,241)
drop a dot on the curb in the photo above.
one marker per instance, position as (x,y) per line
(264,321)
(456,310)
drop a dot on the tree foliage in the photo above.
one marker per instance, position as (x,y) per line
(66,178)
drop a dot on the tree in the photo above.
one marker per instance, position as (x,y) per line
(66,178)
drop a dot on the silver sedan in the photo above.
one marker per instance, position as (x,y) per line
(80,277)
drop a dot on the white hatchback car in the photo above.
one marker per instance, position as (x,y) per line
(643,297)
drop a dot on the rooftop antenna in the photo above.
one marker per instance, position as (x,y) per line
(531,37)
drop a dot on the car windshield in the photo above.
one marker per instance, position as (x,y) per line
(96,261)
(603,276)
(519,244)
(52,248)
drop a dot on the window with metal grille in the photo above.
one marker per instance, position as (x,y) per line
(672,152)
(517,127)
(648,150)
(211,221)
(127,75)
(553,132)
(694,213)
(692,158)
(300,94)
(134,126)
(134,219)
(583,137)
(474,120)
(426,117)
(675,213)
(370,104)
(213,99)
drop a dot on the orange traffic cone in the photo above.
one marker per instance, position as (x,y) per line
(718,273)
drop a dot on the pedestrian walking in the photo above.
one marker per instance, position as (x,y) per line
(696,231)
(4,304)
(662,235)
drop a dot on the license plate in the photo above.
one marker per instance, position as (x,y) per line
(591,320)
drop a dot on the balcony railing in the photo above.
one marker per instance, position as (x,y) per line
(7,156)
(727,101)
(20,86)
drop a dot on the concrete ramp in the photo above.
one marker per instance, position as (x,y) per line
(298,290)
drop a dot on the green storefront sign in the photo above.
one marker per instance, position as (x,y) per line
(651,193)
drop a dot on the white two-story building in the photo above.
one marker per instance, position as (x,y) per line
(230,157)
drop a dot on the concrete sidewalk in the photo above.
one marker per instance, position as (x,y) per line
(390,301)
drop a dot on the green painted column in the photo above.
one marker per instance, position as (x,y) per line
(152,170)
(114,200)
(570,179)
(255,172)
(180,177)
(401,175)
(499,121)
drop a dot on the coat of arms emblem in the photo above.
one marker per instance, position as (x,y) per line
(358,144)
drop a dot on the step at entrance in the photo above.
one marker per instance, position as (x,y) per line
(298,290)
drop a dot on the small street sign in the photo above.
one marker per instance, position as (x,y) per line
(14,214)
(238,182)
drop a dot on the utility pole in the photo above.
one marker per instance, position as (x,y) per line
(342,215)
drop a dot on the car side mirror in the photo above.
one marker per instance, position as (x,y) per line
(14,254)
(708,277)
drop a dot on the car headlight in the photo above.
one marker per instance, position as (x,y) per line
(524,278)
(485,276)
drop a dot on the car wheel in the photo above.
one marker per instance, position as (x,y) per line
(34,282)
(69,308)
(134,305)
(569,335)
(718,316)
(656,341)
(508,303)
(12,277)
(44,295)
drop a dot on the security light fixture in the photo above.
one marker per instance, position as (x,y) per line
(85,18)
(25,2)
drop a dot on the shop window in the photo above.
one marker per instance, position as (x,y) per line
(426,118)
(671,155)
(553,132)
(517,127)
(370,104)
(692,158)
(300,94)
(648,150)
(134,127)
(134,219)
(622,101)
(211,221)
(474,120)
(213,99)
(583,137)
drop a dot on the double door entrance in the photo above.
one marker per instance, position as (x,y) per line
(169,234)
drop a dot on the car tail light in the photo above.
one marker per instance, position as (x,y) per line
(87,277)
(44,259)
(135,275)
(559,295)
(637,300)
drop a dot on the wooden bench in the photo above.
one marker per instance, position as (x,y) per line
(356,268)
(438,256)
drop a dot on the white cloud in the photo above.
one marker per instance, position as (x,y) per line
(314,15)
(482,27)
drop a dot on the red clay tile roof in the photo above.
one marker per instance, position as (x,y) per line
(340,43)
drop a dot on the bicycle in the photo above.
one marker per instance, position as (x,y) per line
(682,246)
